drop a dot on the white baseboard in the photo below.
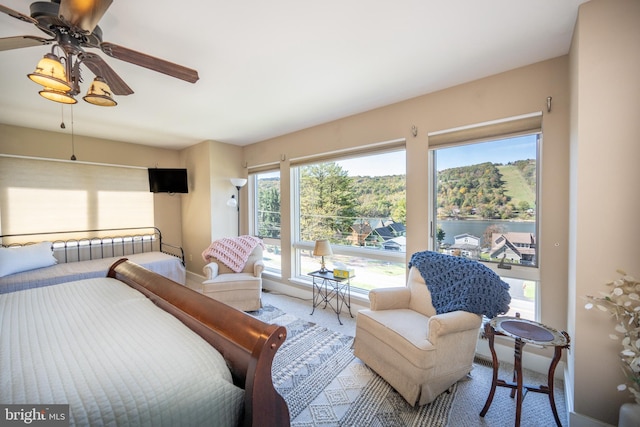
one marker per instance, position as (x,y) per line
(194,281)
(579,420)
(534,362)
(358,302)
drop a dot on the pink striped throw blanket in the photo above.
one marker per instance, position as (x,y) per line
(232,251)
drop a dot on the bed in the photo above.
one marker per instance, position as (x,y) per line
(44,259)
(136,348)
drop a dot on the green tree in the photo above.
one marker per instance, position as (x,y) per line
(399,212)
(269,212)
(327,202)
(440,235)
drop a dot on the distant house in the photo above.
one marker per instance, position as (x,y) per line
(465,245)
(377,232)
(396,244)
(518,248)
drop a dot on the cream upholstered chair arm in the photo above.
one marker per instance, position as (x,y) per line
(389,298)
(450,323)
(210,270)
(258,268)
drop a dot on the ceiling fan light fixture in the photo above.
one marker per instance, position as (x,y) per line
(99,93)
(57,96)
(50,73)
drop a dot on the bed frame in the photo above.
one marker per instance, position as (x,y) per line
(83,245)
(247,344)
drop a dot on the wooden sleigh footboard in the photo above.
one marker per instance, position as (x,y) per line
(247,344)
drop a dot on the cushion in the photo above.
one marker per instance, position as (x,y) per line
(22,258)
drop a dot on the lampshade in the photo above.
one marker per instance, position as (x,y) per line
(238,182)
(232,202)
(57,96)
(99,93)
(50,73)
(322,248)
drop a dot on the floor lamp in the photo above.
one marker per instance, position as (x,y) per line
(235,201)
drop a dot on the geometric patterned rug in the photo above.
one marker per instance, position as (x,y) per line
(324,384)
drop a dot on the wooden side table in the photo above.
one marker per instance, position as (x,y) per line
(524,331)
(327,288)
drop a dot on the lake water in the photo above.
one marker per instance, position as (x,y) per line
(454,228)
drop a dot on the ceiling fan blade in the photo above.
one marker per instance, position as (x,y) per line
(17,15)
(83,14)
(100,68)
(150,62)
(18,42)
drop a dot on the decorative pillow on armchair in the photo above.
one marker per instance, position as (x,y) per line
(29,257)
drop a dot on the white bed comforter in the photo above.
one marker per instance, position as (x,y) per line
(113,356)
(159,262)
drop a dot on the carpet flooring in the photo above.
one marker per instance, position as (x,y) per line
(325,385)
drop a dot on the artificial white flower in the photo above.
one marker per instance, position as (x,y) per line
(622,302)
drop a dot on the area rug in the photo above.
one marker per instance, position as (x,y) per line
(325,385)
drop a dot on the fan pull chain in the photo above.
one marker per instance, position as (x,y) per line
(73,149)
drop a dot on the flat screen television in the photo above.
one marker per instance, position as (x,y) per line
(168,180)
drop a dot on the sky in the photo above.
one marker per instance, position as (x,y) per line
(394,163)
(501,151)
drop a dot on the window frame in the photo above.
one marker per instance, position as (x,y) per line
(299,245)
(515,272)
(253,213)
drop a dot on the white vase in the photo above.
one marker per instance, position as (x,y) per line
(629,415)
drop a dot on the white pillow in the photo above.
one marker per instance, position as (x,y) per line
(22,258)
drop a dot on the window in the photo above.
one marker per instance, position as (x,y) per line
(359,204)
(50,195)
(266,218)
(486,208)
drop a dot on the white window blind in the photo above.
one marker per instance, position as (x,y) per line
(40,195)
(514,126)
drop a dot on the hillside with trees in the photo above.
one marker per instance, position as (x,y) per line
(331,200)
(488,191)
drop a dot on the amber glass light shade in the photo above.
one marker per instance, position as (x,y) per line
(50,73)
(57,96)
(99,93)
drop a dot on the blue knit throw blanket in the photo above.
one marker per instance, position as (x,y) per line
(458,283)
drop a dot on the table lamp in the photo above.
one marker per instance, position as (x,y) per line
(322,249)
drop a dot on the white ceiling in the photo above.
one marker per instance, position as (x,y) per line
(270,68)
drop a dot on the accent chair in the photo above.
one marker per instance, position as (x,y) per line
(241,290)
(418,352)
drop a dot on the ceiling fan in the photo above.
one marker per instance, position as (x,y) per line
(71,26)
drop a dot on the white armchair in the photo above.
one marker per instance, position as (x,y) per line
(418,352)
(241,290)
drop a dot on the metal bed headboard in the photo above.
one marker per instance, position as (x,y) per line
(99,243)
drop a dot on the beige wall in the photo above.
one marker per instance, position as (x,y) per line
(56,145)
(605,151)
(206,216)
(517,92)
(592,192)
